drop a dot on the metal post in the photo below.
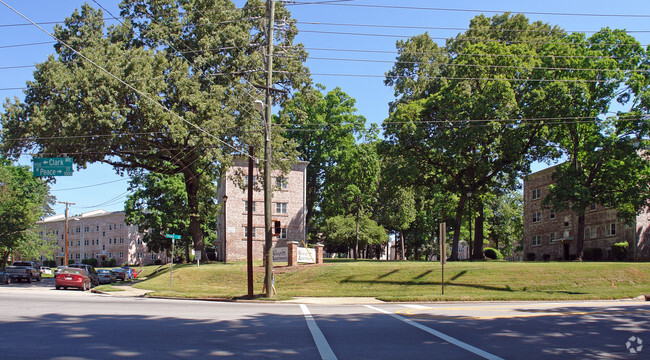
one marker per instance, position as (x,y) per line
(225,230)
(443,252)
(268,234)
(469,250)
(171,267)
(249,238)
(67,204)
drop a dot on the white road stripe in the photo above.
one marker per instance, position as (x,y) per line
(414,306)
(324,348)
(470,348)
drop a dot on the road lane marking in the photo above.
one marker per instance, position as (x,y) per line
(550,312)
(323,346)
(415,306)
(447,338)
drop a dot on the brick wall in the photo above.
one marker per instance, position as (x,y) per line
(553,233)
(288,206)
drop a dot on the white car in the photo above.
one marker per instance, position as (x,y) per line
(46,270)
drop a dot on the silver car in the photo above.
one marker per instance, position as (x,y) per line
(106,276)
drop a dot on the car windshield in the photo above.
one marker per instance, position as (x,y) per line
(103,271)
(72,271)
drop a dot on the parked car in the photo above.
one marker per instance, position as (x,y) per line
(129,273)
(46,270)
(120,274)
(24,270)
(58,269)
(73,277)
(90,270)
(5,278)
(106,276)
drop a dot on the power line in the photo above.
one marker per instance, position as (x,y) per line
(88,186)
(126,84)
(481,10)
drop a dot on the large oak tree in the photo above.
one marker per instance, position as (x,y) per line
(188,73)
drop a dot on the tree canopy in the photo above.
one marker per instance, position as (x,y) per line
(169,90)
(24,200)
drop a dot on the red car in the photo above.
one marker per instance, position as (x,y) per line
(73,277)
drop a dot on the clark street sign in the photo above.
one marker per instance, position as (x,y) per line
(173,236)
(53,166)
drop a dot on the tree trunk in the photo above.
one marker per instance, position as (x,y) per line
(459,215)
(478,232)
(192,189)
(403,240)
(356,238)
(580,237)
(187,252)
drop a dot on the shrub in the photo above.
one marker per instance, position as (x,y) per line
(112,263)
(592,254)
(492,253)
(619,250)
(158,262)
(546,257)
(92,262)
(84,261)
(530,256)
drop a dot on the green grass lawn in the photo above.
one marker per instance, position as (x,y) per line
(412,281)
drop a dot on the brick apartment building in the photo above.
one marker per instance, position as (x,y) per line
(96,234)
(551,235)
(288,206)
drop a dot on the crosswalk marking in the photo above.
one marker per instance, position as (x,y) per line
(470,348)
(323,346)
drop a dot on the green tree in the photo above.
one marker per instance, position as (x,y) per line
(352,185)
(604,164)
(461,109)
(351,232)
(24,200)
(184,101)
(158,206)
(331,127)
(505,221)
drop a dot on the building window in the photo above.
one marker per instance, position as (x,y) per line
(103,247)
(121,240)
(567,221)
(139,241)
(121,226)
(103,233)
(140,255)
(537,216)
(537,194)
(592,207)
(246,231)
(109,227)
(593,232)
(121,254)
(283,233)
(551,214)
(553,237)
(77,256)
(254,180)
(537,240)
(280,208)
(281,182)
(610,229)
(246,207)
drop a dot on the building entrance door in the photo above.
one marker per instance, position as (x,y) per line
(566,251)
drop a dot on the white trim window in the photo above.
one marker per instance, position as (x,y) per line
(537,216)
(246,207)
(537,240)
(593,232)
(610,229)
(553,237)
(283,233)
(246,231)
(281,182)
(567,221)
(537,194)
(280,208)
(551,214)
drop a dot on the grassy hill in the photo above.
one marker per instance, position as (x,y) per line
(413,281)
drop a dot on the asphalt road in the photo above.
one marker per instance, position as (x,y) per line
(38,322)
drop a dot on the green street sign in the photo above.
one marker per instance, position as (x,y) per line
(173,236)
(53,166)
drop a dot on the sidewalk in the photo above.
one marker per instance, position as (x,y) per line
(125,290)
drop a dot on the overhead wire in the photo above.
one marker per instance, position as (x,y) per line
(157,103)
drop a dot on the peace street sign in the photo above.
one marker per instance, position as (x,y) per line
(53,166)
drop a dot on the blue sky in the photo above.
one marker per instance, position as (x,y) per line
(323,29)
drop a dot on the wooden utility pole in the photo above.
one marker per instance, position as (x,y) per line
(268,231)
(67,204)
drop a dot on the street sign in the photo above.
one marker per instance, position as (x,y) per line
(53,166)
(173,236)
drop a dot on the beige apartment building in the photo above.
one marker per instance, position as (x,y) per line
(96,234)
(550,235)
(288,207)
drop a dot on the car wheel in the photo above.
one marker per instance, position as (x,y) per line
(39,278)
(29,279)
(83,287)
(58,287)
